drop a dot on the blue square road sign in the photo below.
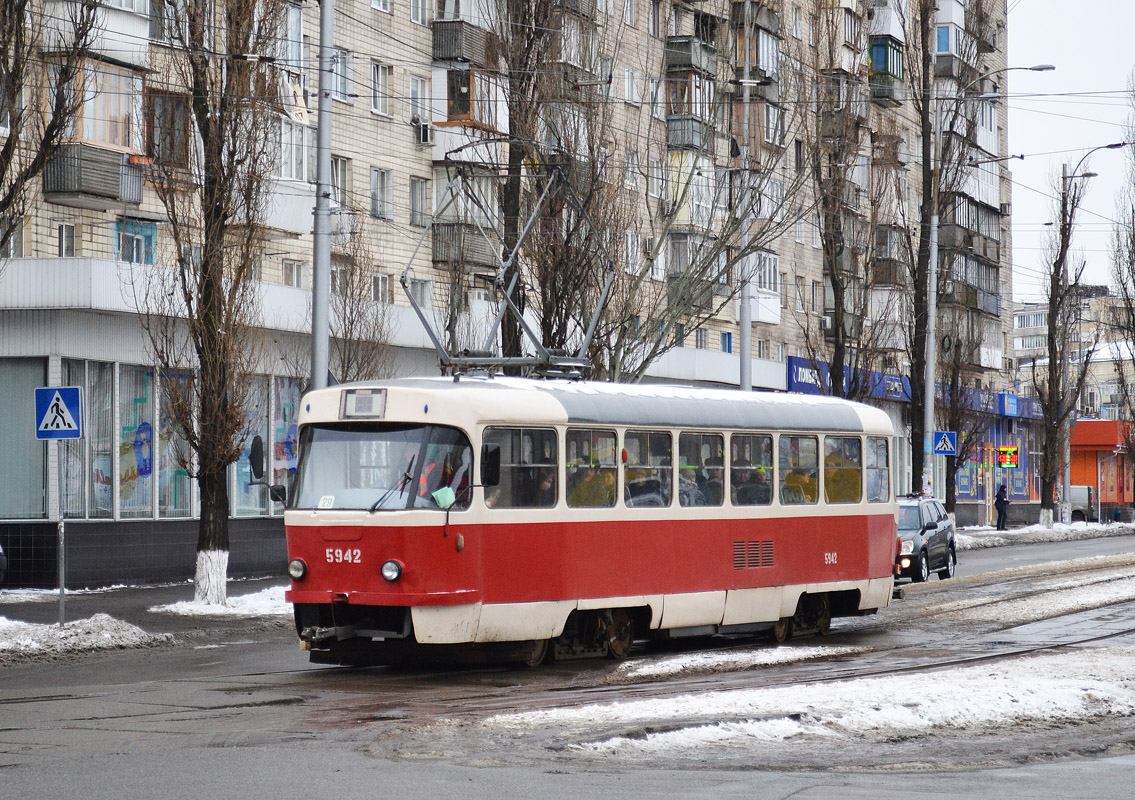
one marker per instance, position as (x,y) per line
(59,413)
(945,443)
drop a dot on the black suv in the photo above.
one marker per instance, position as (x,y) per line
(927,539)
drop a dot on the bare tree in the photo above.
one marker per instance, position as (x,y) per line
(214,147)
(1057,380)
(965,409)
(360,324)
(41,55)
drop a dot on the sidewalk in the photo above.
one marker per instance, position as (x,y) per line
(132,604)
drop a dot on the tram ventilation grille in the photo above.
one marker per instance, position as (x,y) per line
(752,554)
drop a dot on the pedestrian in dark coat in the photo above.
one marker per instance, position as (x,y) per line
(1001,503)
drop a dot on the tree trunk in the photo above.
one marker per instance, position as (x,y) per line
(212,539)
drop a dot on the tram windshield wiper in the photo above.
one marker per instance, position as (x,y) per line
(399,486)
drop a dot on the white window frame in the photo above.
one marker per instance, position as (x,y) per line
(294,273)
(419,201)
(419,12)
(632,86)
(422,290)
(629,13)
(341,75)
(65,239)
(631,171)
(340,181)
(381,76)
(381,5)
(380,287)
(381,193)
(632,252)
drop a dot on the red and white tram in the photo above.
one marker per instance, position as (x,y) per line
(535,519)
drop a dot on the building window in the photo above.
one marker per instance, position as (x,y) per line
(632,249)
(679,335)
(167,137)
(632,86)
(65,238)
(380,5)
(774,125)
(727,342)
(341,75)
(380,88)
(297,151)
(631,171)
(23,469)
(473,97)
(340,173)
(629,12)
(701,338)
(381,202)
(295,274)
(14,247)
(419,201)
(112,107)
(420,99)
(134,241)
(418,12)
(422,291)
(656,18)
(656,179)
(380,287)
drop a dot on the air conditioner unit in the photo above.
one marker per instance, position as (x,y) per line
(826,323)
(425,133)
(1006,209)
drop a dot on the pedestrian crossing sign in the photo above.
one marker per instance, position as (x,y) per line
(945,443)
(59,413)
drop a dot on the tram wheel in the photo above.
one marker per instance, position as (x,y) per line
(781,630)
(620,634)
(540,649)
(823,611)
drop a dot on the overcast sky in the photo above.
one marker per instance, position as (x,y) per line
(1055,117)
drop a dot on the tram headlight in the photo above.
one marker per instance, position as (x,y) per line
(391,570)
(297,569)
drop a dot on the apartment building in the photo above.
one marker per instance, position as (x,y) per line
(713,140)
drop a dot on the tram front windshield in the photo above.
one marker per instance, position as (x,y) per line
(380,466)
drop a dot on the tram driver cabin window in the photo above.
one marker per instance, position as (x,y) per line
(799,470)
(647,479)
(529,466)
(878,470)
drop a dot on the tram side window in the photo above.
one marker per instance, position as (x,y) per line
(647,480)
(528,467)
(878,470)
(751,472)
(701,469)
(799,470)
(843,469)
(592,468)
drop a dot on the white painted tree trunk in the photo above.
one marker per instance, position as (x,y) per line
(1046,517)
(211,583)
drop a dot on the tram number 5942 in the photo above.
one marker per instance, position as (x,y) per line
(831,558)
(345,556)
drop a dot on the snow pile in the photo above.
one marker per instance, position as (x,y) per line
(978,538)
(969,699)
(100,632)
(266,603)
(728,661)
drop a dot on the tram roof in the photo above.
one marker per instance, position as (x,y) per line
(586,402)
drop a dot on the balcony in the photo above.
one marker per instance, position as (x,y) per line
(459,243)
(690,53)
(85,176)
(458,40)
(887,90)
(689,132)
(121,35)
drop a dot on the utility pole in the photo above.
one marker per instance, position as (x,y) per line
(746,316)
(321,229)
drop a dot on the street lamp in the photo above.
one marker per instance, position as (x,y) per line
(1064,240)
(932,269)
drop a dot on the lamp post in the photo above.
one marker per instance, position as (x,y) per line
(932,270)
(1064,241)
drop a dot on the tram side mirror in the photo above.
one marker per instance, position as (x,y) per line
(490,464)
(256,458)
(278,493)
